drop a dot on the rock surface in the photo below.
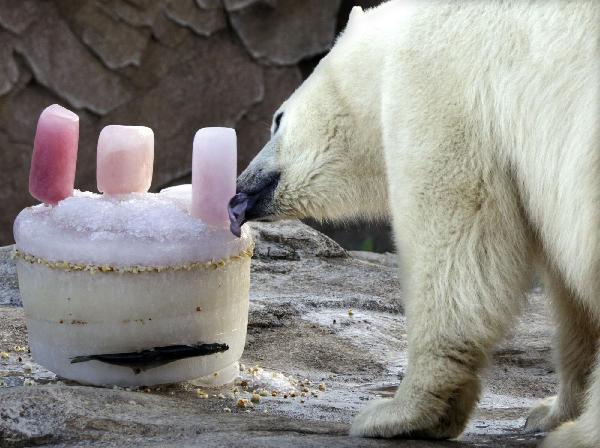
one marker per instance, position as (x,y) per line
(9,287)
(275,31)
(300,336)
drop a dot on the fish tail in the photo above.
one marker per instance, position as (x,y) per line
(77,359)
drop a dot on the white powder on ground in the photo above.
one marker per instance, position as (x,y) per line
(143,229)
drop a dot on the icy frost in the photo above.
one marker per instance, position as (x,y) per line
(136,229)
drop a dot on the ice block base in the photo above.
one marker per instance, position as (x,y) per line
(81,313)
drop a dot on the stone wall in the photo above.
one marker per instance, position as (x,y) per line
(173,65)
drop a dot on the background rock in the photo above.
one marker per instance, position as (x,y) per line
(9,287)
(174,65)
(203,19)
(275,31)
(114,41)
(300,331)
(59,62)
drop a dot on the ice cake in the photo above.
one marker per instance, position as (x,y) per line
(128,287)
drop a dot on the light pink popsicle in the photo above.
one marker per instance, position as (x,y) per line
(54,160)
(125,159)
(214,167)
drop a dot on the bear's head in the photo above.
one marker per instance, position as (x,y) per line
(323,159)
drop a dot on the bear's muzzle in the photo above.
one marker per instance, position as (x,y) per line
(253,200)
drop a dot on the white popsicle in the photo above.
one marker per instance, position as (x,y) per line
(213,174)
(125,159)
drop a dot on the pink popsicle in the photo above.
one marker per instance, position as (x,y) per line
(125,159)
(213,174)
(54,160)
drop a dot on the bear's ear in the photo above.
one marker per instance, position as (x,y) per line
(355,14)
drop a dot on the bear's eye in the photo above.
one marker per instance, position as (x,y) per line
(277,121)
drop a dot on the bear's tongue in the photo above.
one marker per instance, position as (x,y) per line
(238,205)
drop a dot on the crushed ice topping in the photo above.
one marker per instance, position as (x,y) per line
(136,229)
(142,216)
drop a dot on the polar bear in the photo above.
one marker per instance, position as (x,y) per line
(475,127)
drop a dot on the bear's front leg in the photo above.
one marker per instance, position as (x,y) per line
(466,264)
(436,397)
(414,412)
(577,337)
(584,432)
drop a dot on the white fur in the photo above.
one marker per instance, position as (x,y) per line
(475,127)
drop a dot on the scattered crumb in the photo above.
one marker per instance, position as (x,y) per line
(242,403)
(350,312)
(29,382)
(201,394)
(322,387)
(4,355)
(255,398)
(226,410)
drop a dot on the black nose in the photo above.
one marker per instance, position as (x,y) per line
(257,182)
(254,198)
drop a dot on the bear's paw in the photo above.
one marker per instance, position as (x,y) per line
(389,418)
(544,416)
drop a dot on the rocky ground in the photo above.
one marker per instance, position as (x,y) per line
(322,362)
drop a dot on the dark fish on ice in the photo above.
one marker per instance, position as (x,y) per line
(154,357)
